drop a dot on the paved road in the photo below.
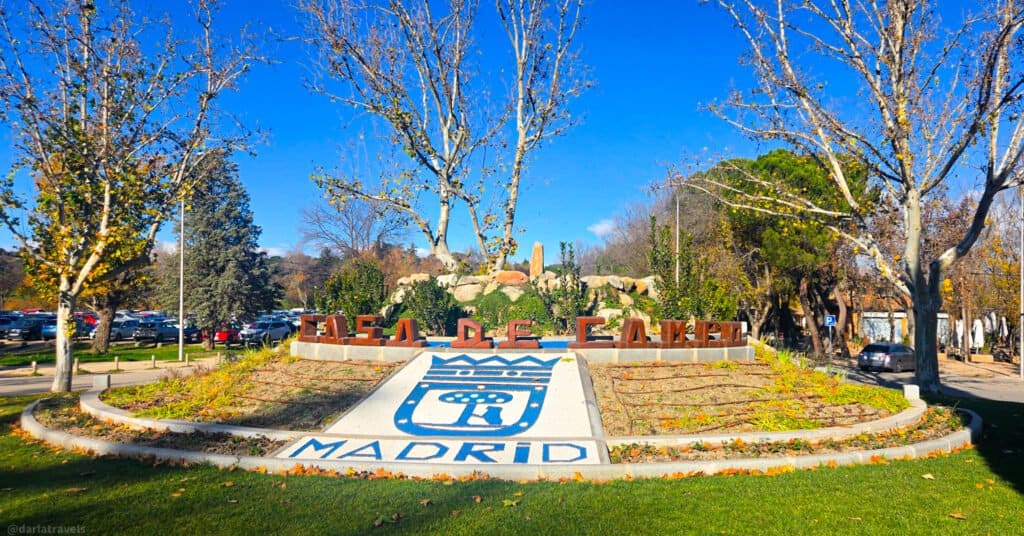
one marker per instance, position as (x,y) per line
(992,381)
(18,381)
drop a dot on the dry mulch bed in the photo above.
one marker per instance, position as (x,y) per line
(62,413)
(937,422)
(301,395)
(725,397)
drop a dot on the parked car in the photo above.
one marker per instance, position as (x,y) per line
(49,330)
(886,356)
(119,330)
(192,334)
(6,323)
(227,335)
(265,333)
(26,329)
(156,332)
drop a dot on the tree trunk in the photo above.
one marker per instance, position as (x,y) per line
(841,322)
(757,319)
(101,342)
(926,323)
(65,311)
(809,317)
(208,338)
(439,250)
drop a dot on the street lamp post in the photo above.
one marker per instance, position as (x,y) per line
(181,287)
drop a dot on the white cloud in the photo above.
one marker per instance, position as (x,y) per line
(602,228)
(274,252)
(422,253)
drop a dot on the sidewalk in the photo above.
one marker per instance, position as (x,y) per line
(15,381)
(993,381)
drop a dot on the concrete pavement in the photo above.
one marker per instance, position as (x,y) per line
(16,381)
(992,381)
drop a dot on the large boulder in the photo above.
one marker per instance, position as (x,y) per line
(465,293)
(511,278)
(537,261)
(412,278)
(594,281)
(513,293)
(615,282)
(447,280)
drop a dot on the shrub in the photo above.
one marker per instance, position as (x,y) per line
(358,289)
(494,310)
(568,298)
(433,307)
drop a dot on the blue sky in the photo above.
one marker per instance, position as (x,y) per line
(654,64)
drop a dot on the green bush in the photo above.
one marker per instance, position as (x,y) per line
(358,289)
(433,307)
(568,298)
(494,310)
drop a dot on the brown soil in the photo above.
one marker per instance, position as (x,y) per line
(62,413)
(692,398)
(301,395)
(937,422)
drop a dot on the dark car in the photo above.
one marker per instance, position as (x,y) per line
(156,332)
(192,334)
(26,329)
(887,356)
(6,323)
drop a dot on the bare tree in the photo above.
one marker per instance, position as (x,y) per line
(354,228)
(110,114)
(937,103)
(411,68)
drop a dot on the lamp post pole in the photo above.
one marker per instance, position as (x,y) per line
(677,238)
(181,287)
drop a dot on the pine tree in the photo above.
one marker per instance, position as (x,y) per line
(226,276)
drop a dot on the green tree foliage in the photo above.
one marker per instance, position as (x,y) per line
(358,289)
(226,276)
(110,113)
(697,293)
(12,273)
(567,298)
(494,310)
(433,307)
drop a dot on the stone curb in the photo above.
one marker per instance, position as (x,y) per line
(90,403)
(900,420)
(959,439)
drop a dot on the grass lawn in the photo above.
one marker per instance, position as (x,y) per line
(973,492)
(125,352)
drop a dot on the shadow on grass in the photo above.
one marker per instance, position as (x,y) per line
(1002,437)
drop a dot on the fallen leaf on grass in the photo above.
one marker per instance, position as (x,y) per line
(455,513)
(856,519)
(958,515)
(980,485)
(233,501)
(426,502)
(990,481)
(507,503)
(477,499)
(518,494)
(75,490)
(283,485)
(928,476)
(227,484)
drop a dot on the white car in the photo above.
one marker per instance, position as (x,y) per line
(265,333)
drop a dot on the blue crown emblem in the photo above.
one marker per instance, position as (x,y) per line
(465,396)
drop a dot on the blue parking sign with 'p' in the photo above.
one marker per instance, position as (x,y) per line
(830,320)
